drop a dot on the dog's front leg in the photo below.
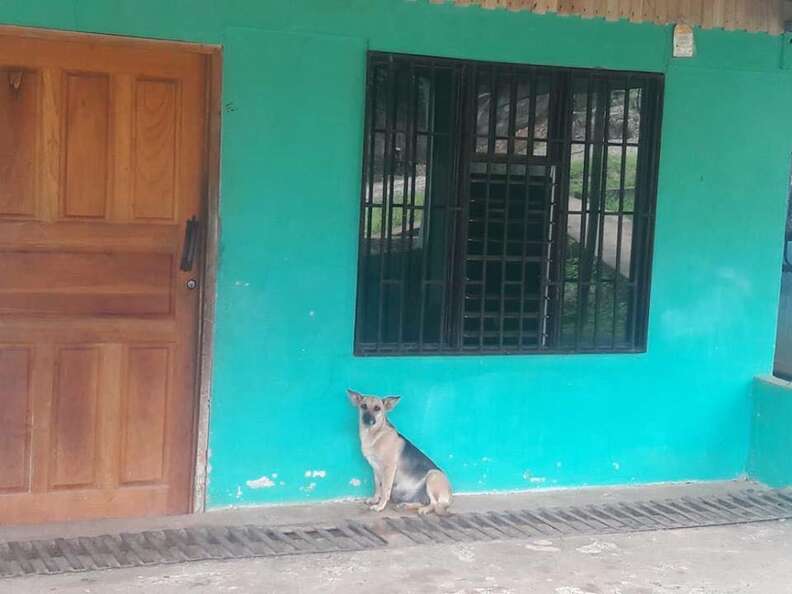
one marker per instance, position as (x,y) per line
(377,490)
(388,476)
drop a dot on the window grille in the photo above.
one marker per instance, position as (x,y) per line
(505,208)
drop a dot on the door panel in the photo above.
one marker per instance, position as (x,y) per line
(155,149)
(102,161)
(146,392)
(86,126)
(18,115)
(75,418)
(85,284)
(15,367)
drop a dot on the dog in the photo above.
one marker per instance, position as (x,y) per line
(403,475)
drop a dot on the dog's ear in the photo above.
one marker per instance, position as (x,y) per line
(390,402)
(354,397)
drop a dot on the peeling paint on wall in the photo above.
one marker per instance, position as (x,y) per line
(262,483)
(309,488)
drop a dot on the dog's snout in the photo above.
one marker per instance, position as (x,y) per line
(368,419)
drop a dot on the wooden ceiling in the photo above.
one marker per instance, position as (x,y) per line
(748,15)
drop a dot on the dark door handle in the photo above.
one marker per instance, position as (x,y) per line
(190,246)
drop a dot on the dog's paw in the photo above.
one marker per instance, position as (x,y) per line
(378,507)
(372,501)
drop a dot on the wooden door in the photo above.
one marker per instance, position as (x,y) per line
(102,159)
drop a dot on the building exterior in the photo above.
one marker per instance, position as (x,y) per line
(274,424)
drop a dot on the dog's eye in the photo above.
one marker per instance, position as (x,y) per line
(376,409)
(363,406)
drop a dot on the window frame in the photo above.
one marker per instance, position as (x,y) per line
(454,245)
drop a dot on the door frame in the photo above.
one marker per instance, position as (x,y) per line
(210,214)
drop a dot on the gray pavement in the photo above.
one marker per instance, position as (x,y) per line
(751,558)
(737,559)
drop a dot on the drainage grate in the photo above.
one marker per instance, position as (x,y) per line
(739,507)
(236,542)
(157,547)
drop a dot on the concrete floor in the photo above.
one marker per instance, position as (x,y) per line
(755,558)
(740,559)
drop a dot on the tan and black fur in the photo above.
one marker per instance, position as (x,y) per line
(403,475)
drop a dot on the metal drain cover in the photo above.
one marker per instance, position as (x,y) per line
(739,507)
(156,547)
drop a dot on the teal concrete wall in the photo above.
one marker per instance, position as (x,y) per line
(770,460)
(292,134)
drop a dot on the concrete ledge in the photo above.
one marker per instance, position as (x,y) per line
(772,380)
(770,458)
(289,515)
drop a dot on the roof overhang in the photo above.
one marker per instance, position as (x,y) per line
(748,15)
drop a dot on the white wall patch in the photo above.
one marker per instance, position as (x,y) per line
(684,42)
(261,483)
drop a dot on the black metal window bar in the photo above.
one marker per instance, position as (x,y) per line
(505,208)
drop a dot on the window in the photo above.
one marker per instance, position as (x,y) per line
(782,366)
(505,208)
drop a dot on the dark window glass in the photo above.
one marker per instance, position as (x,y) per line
(505,208)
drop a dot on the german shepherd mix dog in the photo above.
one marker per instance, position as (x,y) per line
(403,475)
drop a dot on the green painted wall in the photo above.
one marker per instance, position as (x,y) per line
(294,74)
(770,459)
